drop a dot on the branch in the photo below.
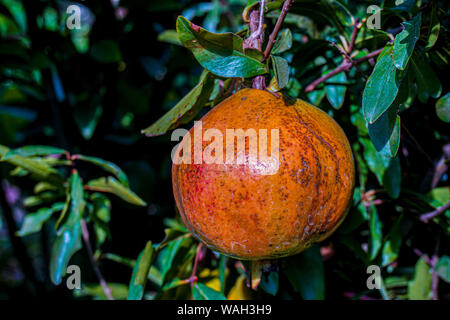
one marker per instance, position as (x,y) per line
(430,215)
(102,281)
(286,6)
(344,66)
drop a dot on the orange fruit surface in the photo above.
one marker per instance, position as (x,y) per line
(248,214)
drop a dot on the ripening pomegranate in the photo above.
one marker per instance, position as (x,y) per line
(257,205)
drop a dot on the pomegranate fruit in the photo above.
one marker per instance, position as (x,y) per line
(245,212)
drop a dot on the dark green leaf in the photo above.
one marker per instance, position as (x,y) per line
(269,283)
(443,108)
(306,273)
(31,151)
(87,118)
(405,41)
(107,166)
(283,42)
(106,51)
(281,70)
(376,233)
(33,222)
(382,86)
(221,54)
(140,272)
(74,207)
(111,185)
(392,244)
(392,177)
(64,247)
(443,268)
(335,91)
(185,110)
(385,132)
(428,84)
(202,292)
(433,31)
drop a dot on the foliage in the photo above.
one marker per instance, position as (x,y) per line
(73,103)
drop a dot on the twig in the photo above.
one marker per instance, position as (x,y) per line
(344,66)
(430,215)
(102,281)
(354,34)
(193,277)
(286,6)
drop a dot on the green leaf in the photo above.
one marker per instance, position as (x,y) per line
(106,51)
(433,31)
(428,84)
(420,287)
(443,108)
(376,232)
(31,151)
(439,196)
(392,244)
(170,36)
(382,86)
(185,110)
(283,42)
(335,91)
(74,207)
(203,292)
(306,273)
(392,177)
(33,222)
(405,41)
(173,256)
(140,272)
(222,271)
(281,70)
(221,54)
(38,169)
(385,132)
(172,235)
(106,165)
(65,246)
(443,268)
(269,283)
(111,185)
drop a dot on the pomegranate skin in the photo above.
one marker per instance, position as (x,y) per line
(247,214)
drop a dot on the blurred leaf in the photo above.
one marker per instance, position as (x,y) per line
(87,119)
(240,291)
(392,243)
(433,31)
(283,42)
(306,273)
(382,86)
(443,108)
(101,216)
(64,247)
(111,185)
(221,54)
(33,222)
(186,109)
(106,51)
(392,177)
(420,287)
(170,36)
(140,272)
(105,165)
(31,151)
(428,84)
(202,292)
(269,283)
(443,268)
(281,70)
(405,41)
(118,290)
(335,91)
(57,84)
(440,196)
(376,232)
